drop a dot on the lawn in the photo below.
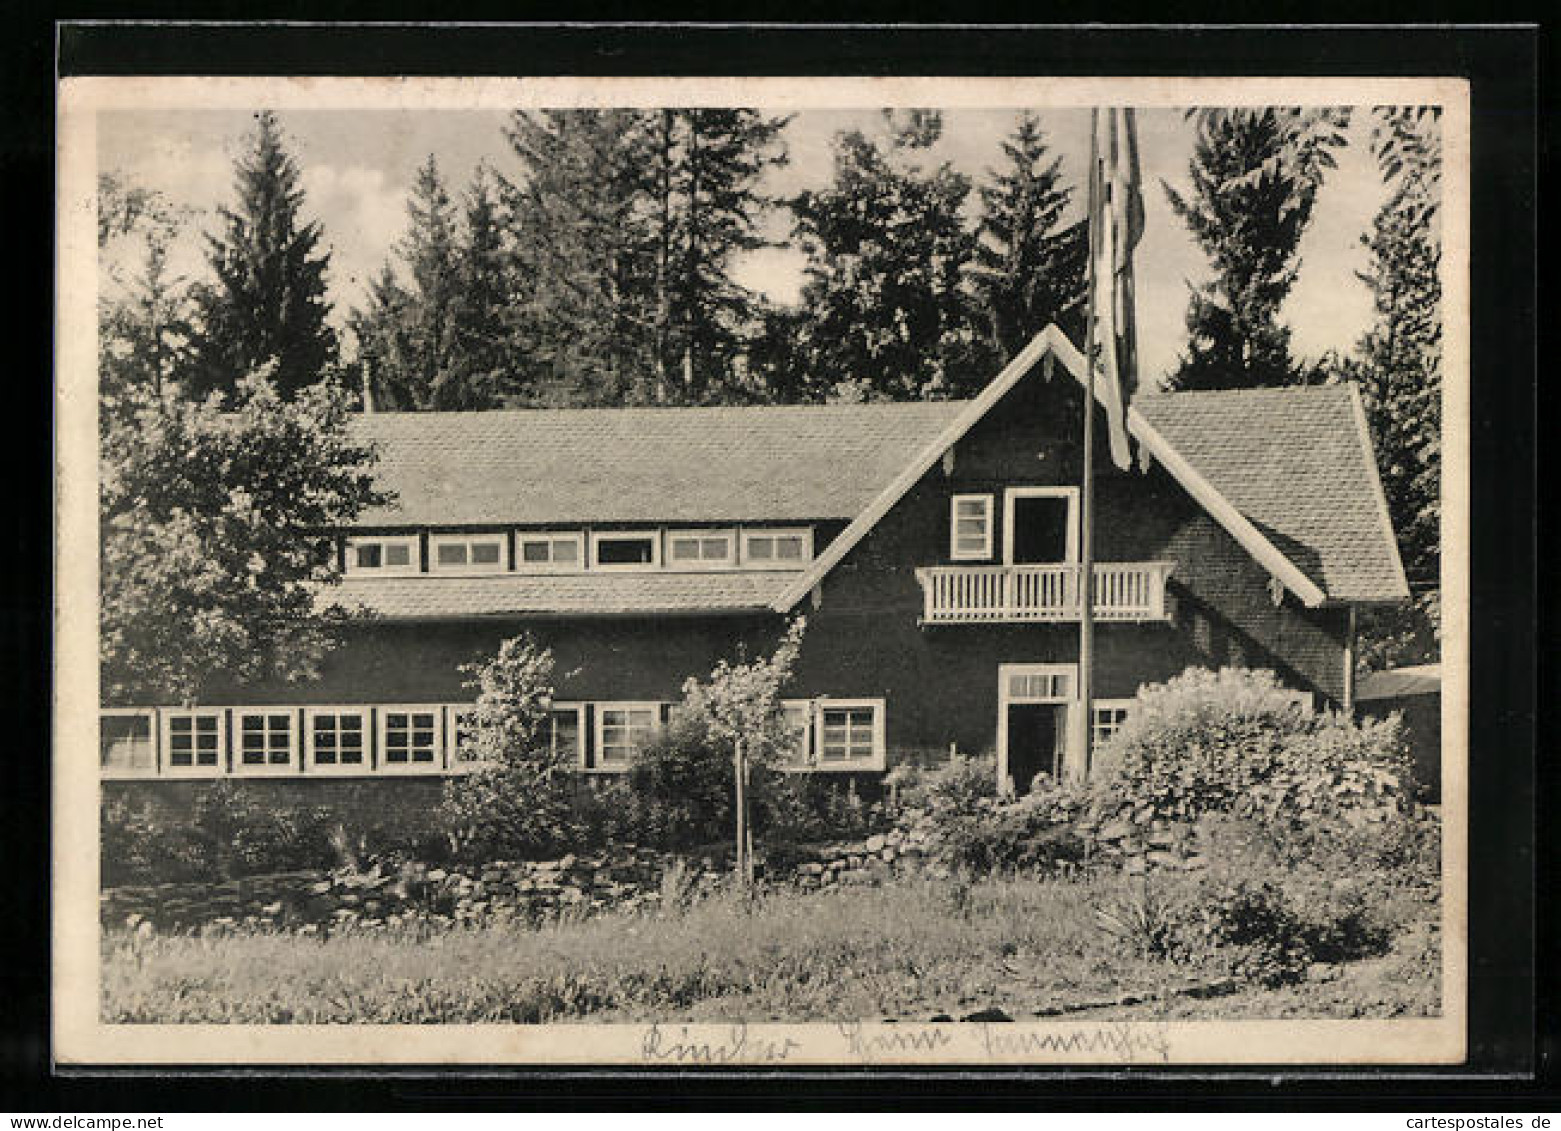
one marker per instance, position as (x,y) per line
(906,950)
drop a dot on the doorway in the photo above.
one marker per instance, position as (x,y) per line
(1036,741)
(1034,705)
(1042,527)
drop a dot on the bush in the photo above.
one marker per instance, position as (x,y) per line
(797,808)
(960,785)
(1233,741)
(682,778)
(1034,834)
(519,801)
(230,832)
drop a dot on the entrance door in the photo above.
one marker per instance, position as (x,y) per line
(1042,528)
(1035,742)
(1034,705)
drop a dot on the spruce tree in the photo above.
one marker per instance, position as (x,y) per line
(885,314)
(1255,175)
(706,208)
(407,336)
(266,301)
(1398,367)
(582,239)
(1028,270)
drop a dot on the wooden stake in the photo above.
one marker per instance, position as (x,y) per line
(1087,503)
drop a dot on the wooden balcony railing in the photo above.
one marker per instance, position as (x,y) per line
(1124,591)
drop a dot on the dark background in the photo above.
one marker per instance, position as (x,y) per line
(1511,1057)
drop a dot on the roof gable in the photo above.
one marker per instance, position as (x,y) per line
(1288,472)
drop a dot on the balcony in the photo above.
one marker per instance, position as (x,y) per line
(1006,594)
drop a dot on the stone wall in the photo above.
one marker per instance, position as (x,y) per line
(623,878)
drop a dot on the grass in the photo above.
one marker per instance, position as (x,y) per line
(907,950)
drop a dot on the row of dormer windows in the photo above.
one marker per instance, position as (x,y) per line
(574,551)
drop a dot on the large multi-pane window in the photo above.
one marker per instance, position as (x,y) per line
(265,740)
(338,738)
(621,729)
(193,740)
(850,733)
(409,738)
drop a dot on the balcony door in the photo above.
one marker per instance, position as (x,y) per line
(1041,525)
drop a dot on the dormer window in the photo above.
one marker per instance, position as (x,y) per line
(548,552)
(382,555)
(700,549)
(626,549)
(466,553)
(777,549)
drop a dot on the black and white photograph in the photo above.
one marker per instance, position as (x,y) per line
(761,571)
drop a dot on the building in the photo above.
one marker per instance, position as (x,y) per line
(933,548)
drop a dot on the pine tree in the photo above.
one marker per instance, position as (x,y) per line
(267,300)
(1398,368)
(1255,175)
(884,311)
(1028,270)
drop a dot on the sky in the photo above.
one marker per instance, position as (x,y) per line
(358,165)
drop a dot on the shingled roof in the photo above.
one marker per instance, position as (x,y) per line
(1288,471)
(1297,464)
(573,466)
(586,594)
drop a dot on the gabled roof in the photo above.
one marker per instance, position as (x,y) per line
(431,597)
(573,466)
(1398,683)
(1288,472)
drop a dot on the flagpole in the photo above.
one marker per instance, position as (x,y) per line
(1086,582)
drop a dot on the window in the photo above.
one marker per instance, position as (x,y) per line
(699,549)
(1041,686)
(193,740)
(409,738)
(466,553)
(265,740)
(798,721)
(125,742)
(567,732)
(621,728)
(384,556)
(625,550)
(1106,718)
(546,552)
(970,528)
(777,549)
(850,734)
(338,738)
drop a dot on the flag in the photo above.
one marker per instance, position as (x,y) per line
(1116,226)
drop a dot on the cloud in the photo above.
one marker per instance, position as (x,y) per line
(363,214)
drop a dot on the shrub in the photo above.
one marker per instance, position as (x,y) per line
(796,808)
(682,778)
(1250,927)
(1233,741)
(518,802)
(960,785)
(1034,834)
